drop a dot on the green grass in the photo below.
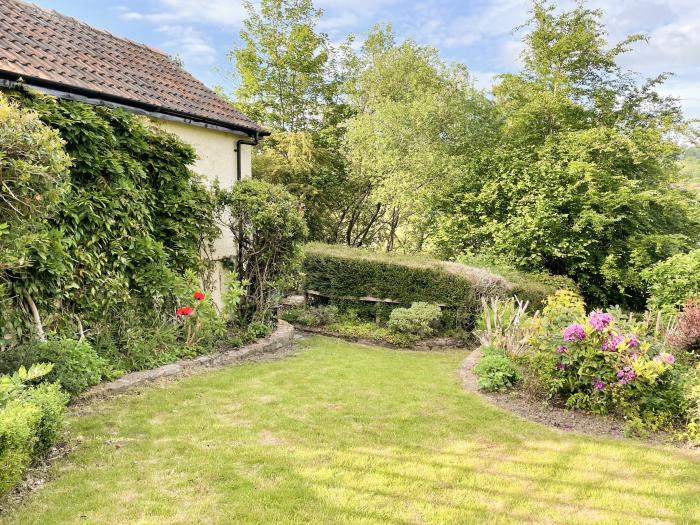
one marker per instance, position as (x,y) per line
(342,433)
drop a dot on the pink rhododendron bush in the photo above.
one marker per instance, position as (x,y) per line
(609,362)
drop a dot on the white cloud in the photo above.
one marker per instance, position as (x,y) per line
(189,44)
(218,12)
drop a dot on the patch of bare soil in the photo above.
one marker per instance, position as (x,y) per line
(518,402)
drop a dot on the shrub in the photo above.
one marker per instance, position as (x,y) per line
(672,281)
(338,272)
(76,365)
(418,320)
(318,316)
(268,228)
(496,372)
(686,335)
(692,398)
(348,274)
(31,418)
(131,217)
(504,324)
(596,365)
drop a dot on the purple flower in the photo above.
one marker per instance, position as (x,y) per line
(561,349)
(598,385)
(574,332)
(665,357)
(632,341)
(626,375)
(612,343)
(599,320)
(561,366)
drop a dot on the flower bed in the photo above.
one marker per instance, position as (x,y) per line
(604,362)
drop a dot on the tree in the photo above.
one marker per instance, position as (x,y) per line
(581,180)
(415,120)
(283,65)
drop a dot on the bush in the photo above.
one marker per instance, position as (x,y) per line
(597,364)
(76,365)
(672,281)
(31,419)
(131,217)
(418,320)
(267,225)
(686,335)
(349,274)
(496,372)
(318,316)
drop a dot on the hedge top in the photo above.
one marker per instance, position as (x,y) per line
(341,271)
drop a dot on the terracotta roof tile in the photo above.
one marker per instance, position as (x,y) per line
(42,44)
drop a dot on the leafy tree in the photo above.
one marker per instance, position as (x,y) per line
(283,64)
(415,120)
(581,179)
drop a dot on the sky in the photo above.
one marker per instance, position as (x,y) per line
(478,33)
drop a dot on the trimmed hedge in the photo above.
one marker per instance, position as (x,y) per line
(341,272)
(29,426)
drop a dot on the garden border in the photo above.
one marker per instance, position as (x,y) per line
(519,405)
(278,341)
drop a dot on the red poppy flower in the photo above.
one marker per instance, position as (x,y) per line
(184,310)
(199,296)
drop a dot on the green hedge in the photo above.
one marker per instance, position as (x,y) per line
(341,272)
(29,426)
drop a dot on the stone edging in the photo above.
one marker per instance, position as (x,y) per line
(280,340)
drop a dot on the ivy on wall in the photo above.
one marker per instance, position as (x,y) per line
(131,220)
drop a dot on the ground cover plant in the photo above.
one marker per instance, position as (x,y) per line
(343,433)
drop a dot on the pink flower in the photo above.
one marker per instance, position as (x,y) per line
(561,366)
(561,349)
(612,343)
(574,332)
(665,357)
(598,385)
(599,320)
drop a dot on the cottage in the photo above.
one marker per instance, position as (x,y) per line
(61,56)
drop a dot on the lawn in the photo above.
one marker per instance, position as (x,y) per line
(343,433)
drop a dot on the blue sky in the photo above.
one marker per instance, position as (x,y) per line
(475,32)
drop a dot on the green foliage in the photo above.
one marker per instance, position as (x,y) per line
(692,398)
(496,372)
(419,319)
(268,228)
(415,118)
(283,65)
(33,168)
(674,280)
(132,219)
(342,272)
(580,181)
(76,365)
(31,419)
(318,316)
(355,328)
